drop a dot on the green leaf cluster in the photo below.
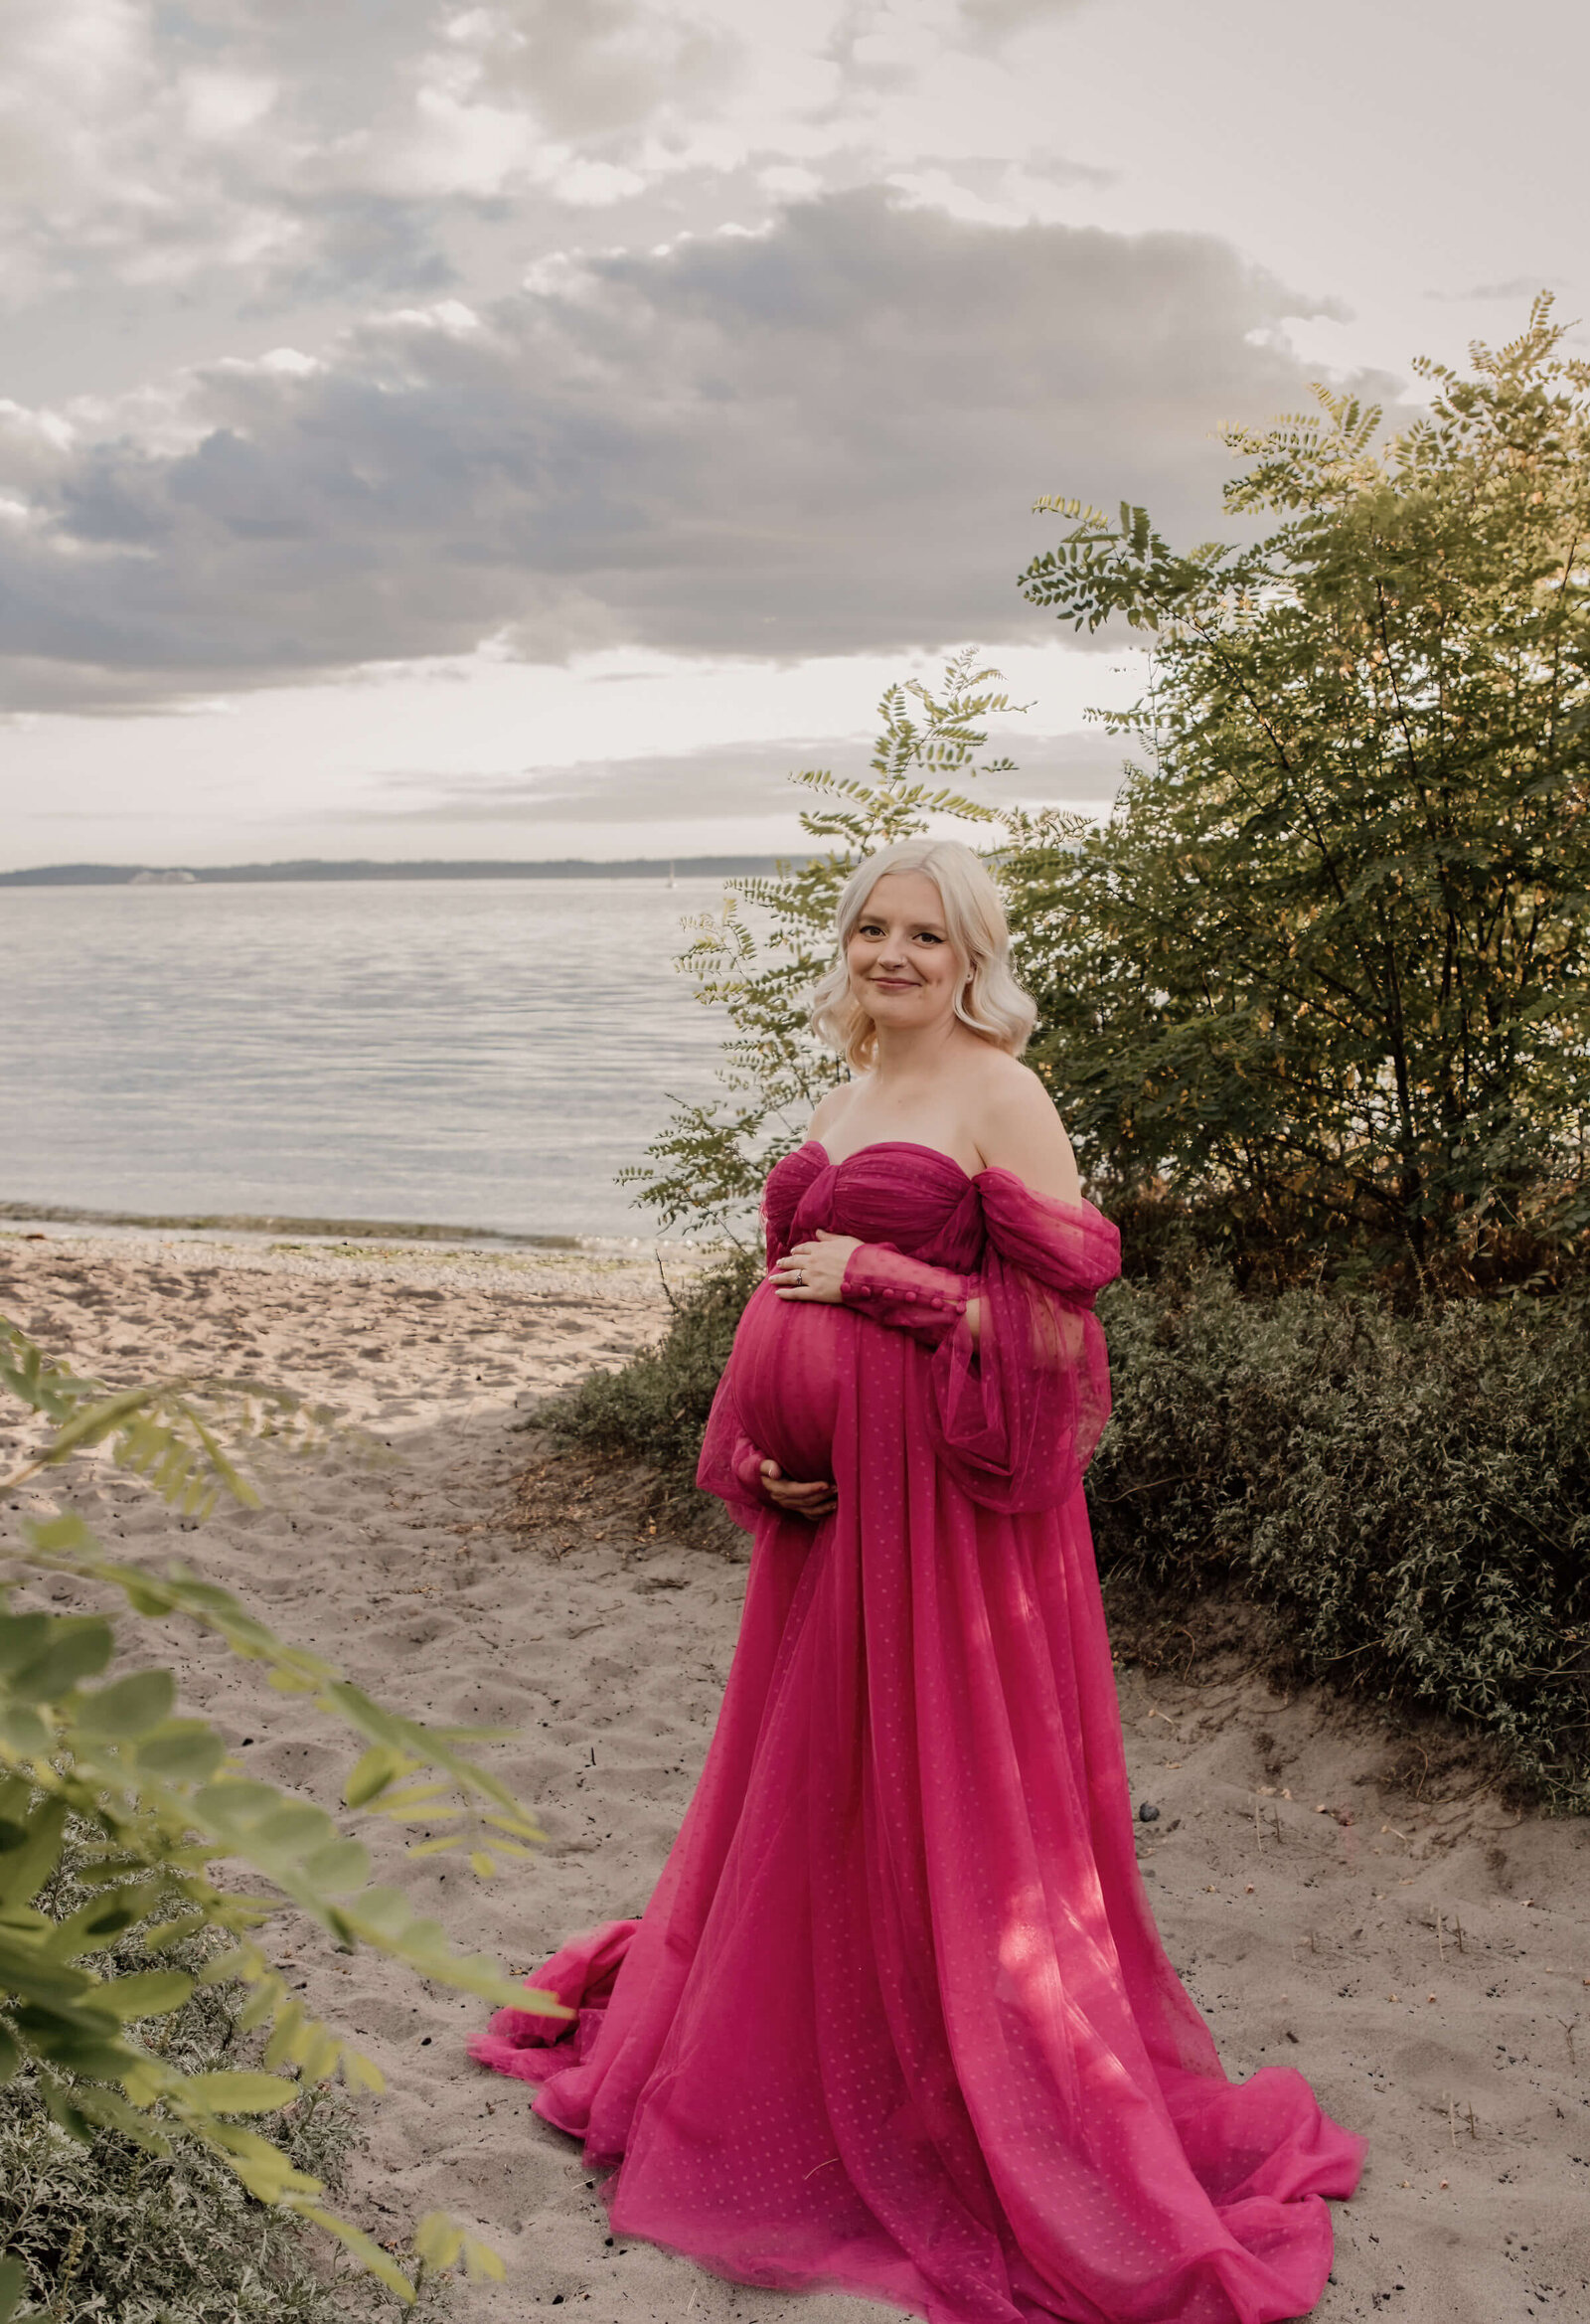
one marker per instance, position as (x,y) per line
(112,2228)
(1325,966)
(181,1841)
(1408,1495)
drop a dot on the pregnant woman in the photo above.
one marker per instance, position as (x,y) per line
(897,2019)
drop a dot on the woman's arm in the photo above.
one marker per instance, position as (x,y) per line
(907,1293)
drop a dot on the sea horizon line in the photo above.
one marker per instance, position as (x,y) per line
(308,867)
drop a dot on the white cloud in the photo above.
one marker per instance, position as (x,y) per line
(652,754)
(463,149)
(218,105)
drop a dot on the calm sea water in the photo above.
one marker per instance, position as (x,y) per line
(475,1053)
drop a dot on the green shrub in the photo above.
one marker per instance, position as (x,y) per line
(1409,1494)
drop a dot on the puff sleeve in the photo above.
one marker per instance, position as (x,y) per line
(1018,1413)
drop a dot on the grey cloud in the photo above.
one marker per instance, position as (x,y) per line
(365,245)
(161,148)
(728,778)
(1517,286)
(823,438)
(997,19)
(588,68)
(585,69)
(724,778)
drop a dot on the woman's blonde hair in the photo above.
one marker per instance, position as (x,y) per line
(990,1001)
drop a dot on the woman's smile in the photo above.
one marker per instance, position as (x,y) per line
(899,949)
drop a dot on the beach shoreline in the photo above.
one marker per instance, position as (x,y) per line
(1424,1962)
(65,1222)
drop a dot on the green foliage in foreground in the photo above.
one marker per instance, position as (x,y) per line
(1328,964)
(1411,1496)
(172,1822)
(112,2229)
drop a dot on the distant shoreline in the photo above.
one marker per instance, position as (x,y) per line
(309,867)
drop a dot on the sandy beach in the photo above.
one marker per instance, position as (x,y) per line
(1422,1952)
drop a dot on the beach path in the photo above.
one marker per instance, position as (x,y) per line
(1423,1954)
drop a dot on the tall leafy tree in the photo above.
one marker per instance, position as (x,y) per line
(1325,965)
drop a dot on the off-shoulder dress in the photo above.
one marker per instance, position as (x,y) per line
(897,2019)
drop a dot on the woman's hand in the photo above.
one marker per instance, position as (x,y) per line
(816,1269)
(813,1502)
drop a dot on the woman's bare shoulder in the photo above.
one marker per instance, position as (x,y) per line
(1017,1129)
(1005,1086)
(827,1109)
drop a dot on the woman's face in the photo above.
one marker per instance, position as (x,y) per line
(904,969)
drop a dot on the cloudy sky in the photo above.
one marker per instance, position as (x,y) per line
(529,429)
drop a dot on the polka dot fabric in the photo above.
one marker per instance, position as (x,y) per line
(897,2019)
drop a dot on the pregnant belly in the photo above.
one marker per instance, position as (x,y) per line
(787,1364)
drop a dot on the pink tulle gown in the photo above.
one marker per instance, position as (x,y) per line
(897,2020)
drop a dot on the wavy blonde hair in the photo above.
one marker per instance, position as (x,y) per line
(989,1002)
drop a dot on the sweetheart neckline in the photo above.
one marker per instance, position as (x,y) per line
(910,1145)
(972,1179)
